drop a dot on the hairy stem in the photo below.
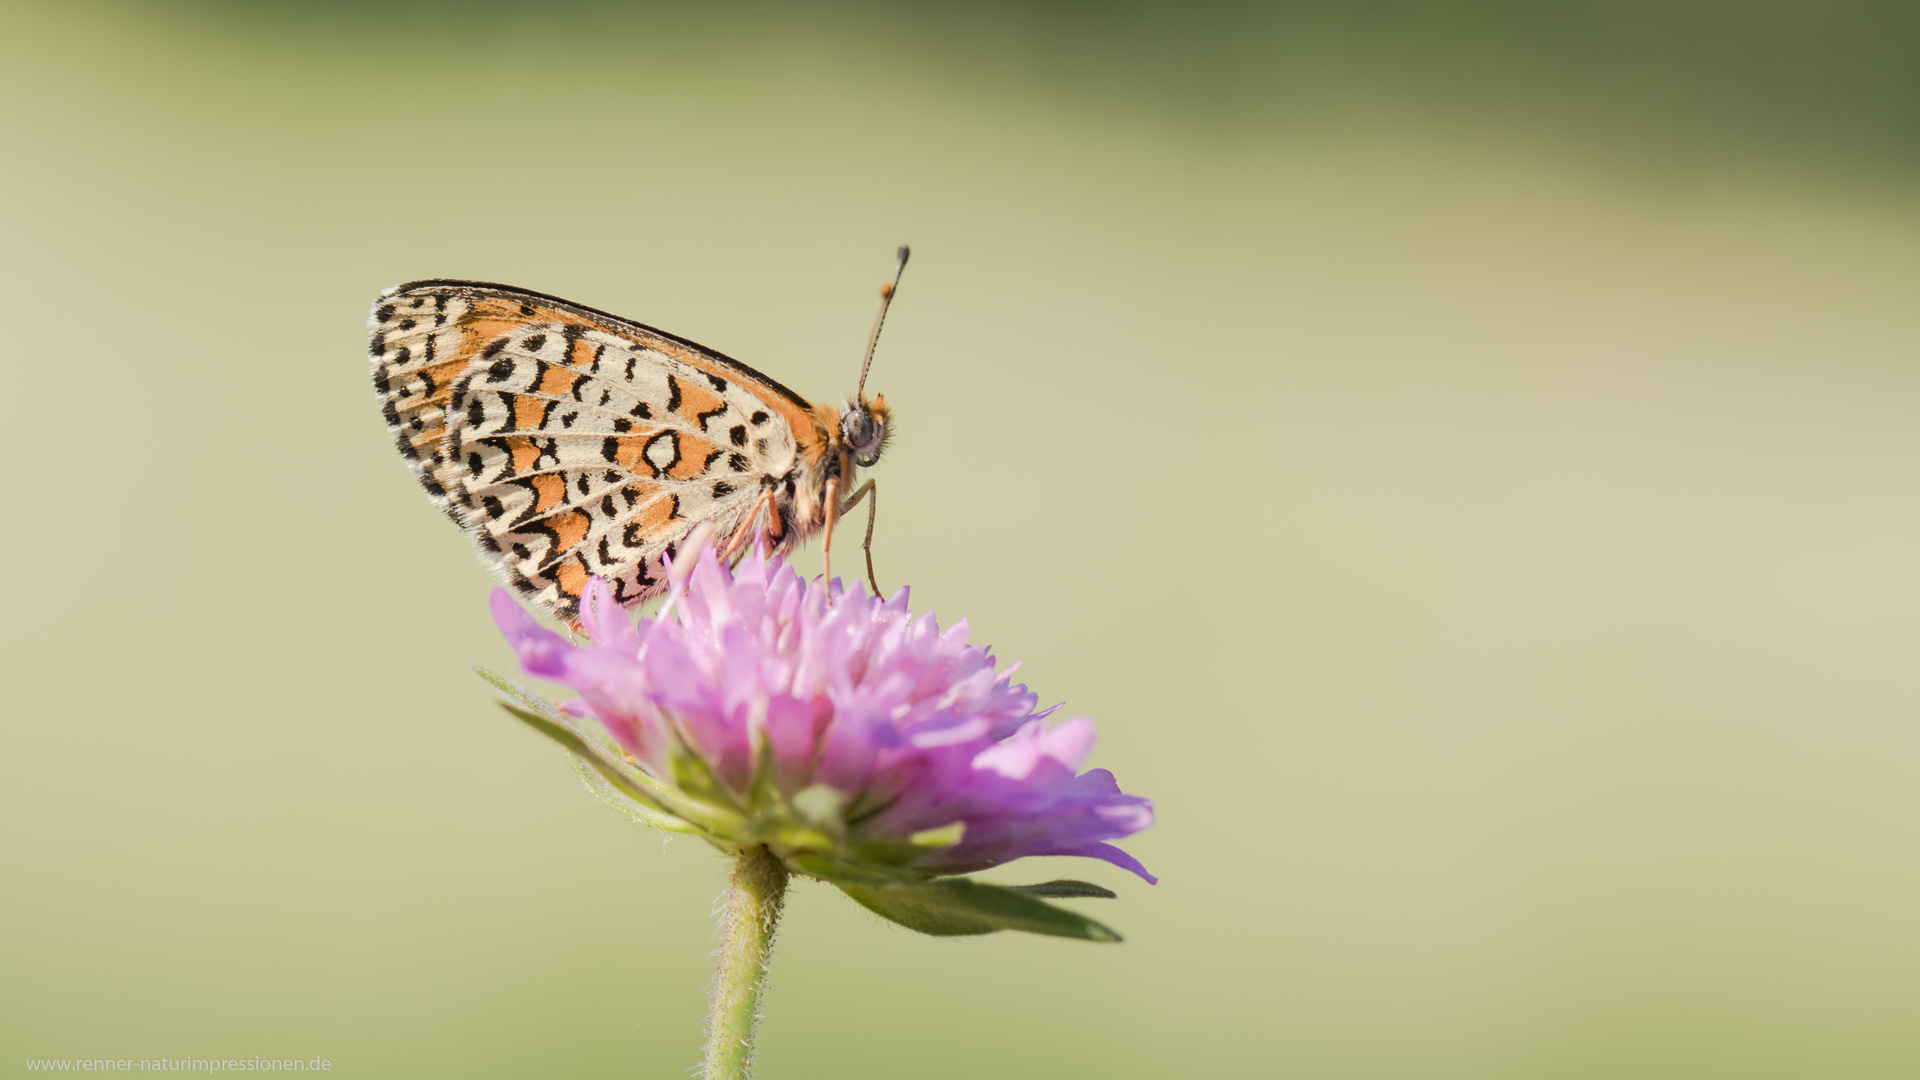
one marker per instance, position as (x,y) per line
(752,914)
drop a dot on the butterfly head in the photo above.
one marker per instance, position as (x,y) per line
(864,429)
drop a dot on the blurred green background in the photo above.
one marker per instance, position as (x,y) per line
(1462,454)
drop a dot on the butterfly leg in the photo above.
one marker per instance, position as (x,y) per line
(746,527)
(873,508)
(826,542)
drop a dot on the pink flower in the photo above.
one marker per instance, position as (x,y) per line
(834,727)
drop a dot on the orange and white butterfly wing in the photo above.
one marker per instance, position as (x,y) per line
(569,442)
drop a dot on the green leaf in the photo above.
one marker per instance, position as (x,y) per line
(953,907)
(1065,887)
(580,748)
(612,799)
(628,781)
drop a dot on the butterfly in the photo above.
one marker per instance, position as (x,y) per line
(570,443)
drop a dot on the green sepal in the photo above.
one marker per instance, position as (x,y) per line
(637,812)
(903,850)
(1064,888)
(693,775)
(953,907)
(820,806)
(617,774)
(943,837)
(615,778)
(764,788)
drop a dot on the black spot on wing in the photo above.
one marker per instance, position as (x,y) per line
(655,450)
(620,593)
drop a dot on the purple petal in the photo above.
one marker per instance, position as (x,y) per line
(1069,742)
(605,621)
(542,652)
(1109,853)
(1016,757)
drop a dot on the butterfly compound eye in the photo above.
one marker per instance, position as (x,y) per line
(863,434)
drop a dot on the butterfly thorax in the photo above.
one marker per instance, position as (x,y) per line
(845,442)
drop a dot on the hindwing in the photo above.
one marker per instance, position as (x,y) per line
(569,442)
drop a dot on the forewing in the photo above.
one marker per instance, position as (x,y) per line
(569,442)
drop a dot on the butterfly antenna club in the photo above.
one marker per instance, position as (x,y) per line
(887,289)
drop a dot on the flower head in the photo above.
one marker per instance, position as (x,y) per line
(854,740)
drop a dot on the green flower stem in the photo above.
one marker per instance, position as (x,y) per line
(753,898)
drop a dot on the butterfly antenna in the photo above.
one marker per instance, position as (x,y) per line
(886,297)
